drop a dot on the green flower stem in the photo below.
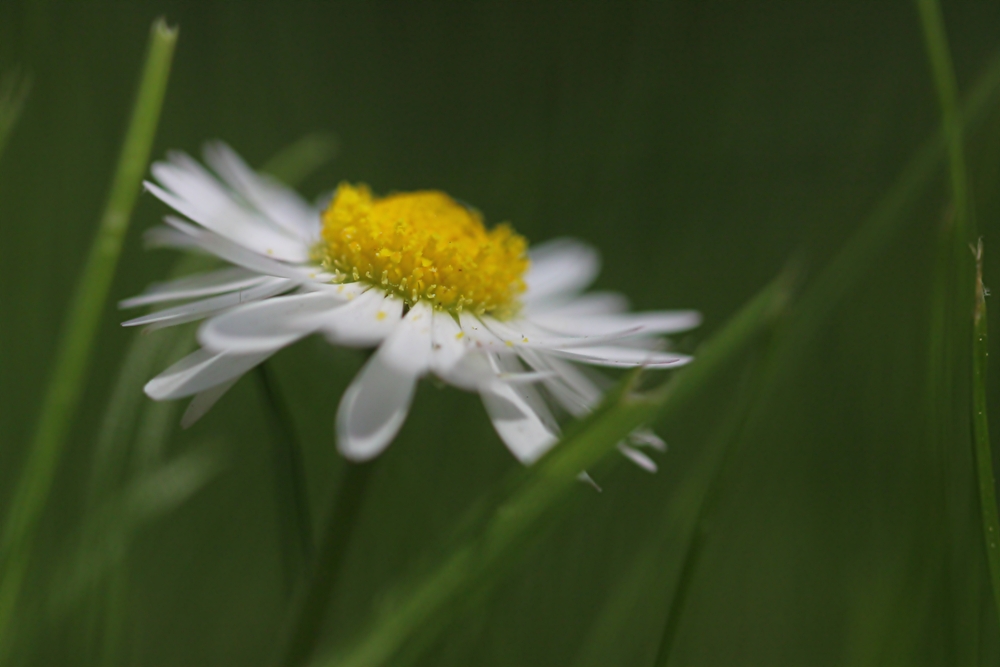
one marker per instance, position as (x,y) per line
(980,421)
(495,535)
(316,593)
(78,334)
(291,491)
(730,436)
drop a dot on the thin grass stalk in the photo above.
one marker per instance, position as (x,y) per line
(391,630)
(14,89)
(980,422)
(120,439)
(532,498)
(315,593)
(948,367)
(77,336)
(291,492)
(296,162)
(731,434)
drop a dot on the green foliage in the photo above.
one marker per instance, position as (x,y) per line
(66,385)
(829,486)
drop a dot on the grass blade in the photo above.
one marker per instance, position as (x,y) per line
(948,376)
(315,593)
(14,88)
(121,498)
(299,160)
(532,498)
(291,494)
(980,421)
(78,333)
(731,434)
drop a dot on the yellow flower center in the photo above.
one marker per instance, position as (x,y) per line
(423,246)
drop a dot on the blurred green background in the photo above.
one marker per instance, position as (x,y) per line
(699,146)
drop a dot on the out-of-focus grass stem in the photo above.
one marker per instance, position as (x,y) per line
(291,493)
(77,336)
(729,437)
(315,593)
(936,42)
(519,511)
(14,88)
(980,421)
(948,351)
(531,499)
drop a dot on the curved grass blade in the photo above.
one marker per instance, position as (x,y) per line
(948,372)
(299,160)
(78,333)
(496,533)
(131,483)
(14,88)
(980,422)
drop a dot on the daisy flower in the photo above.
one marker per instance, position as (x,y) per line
(416,275)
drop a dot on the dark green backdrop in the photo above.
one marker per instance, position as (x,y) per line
(699,146)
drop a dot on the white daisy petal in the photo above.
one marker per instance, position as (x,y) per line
(191,287)
(373,410)
(375,406)
(268,325)
(191,190)
(644,436)
(237,254)
(639,458)
(586,305)
(203,402)
(196,310)
(480,336)
(645,324)
(560,268)
(517,424)
(617,356)
(408,347)
(573,390)
(280,204)
(471,372)
(448,344)
(622,356)
(523,333)
(365,321)
(163,236)
(199,371)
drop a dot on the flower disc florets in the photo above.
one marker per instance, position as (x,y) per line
(424,246)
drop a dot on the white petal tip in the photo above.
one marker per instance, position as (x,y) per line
(589,481)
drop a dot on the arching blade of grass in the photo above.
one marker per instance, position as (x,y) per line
(14,87)
(712,479)
(495,533)
(77,336)
(819,301)
(131,482)
(949,373)
(877,231)
(538,493)
(294,163)
(980,421)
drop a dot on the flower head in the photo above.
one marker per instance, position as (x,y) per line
(417,275)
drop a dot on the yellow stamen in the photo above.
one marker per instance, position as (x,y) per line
(424,246)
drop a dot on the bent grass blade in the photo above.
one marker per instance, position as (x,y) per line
(496,534)
(77,336)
